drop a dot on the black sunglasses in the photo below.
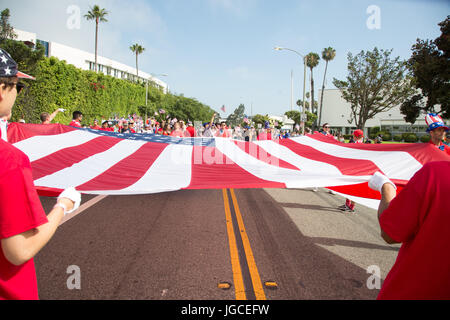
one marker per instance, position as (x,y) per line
(20,86)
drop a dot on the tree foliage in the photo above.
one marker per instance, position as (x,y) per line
(429,66)
(237,117)
(60,85)
(375,83)
(296,116)
(6,30)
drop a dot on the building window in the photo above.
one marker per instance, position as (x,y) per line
(45,45)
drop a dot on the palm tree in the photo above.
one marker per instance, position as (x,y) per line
(137,49)
(328,54)
(98,15)
(312,60)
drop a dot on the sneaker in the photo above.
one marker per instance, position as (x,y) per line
(346,209)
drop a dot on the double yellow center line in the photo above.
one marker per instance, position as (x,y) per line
(247,281)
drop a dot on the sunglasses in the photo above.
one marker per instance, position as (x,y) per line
(20,86)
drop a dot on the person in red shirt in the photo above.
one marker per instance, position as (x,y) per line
(190,131)
(96,126)
(24,227)
(105,127)
(76,119)
(349,206)
(418,217)
(437,130)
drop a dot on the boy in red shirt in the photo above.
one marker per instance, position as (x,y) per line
(24,227)
(76,121)
(419,219)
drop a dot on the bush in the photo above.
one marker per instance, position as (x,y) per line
(426,138)
(348,136)
(386,136)
(412,138)
(375,130)
(405,135)
(398,138)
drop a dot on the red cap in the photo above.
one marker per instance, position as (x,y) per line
(358,133)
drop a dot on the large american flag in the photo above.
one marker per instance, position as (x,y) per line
(107,163)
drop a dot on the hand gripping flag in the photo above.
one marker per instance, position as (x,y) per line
(108,163)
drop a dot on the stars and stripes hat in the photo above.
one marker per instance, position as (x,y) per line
(434,121)
(8,67)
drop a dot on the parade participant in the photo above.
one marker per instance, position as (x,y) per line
(76,119)
(223,132)
(47,118)
(190,130)
(24,227)
(96,126)
(105,126)
(437,130)
(177,131)
(447,139)
(325,129)
(358,137)
(418,218)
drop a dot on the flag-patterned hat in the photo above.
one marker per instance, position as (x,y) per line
(434,121)
(8,67)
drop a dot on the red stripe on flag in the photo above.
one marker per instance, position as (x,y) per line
(68,157)
(261,154)
(214,170)
(422,152)
(127,171)
(361,190)
(346,166)
(22,131)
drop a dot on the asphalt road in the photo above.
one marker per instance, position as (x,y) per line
(214,245)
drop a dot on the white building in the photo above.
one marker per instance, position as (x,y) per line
(86,61)
(336,112)
(288,124)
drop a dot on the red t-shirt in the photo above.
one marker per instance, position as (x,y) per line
(96,127)
(442,145)
(20,211)
(190,132)
(419,217)
(75,123)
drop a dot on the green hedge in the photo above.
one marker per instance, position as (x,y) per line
(412,138)
(60,85)
(398,138)
(426,138)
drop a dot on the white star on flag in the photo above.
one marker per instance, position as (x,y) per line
(4,60)
(8,71)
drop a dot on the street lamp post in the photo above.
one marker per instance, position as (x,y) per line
(303,119)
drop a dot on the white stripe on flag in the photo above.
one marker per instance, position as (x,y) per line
(292,178)
(38,147)
(171,171)
(291,157)
(91,167)
(394,164)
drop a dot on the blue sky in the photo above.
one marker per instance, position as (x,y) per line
(221,51)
